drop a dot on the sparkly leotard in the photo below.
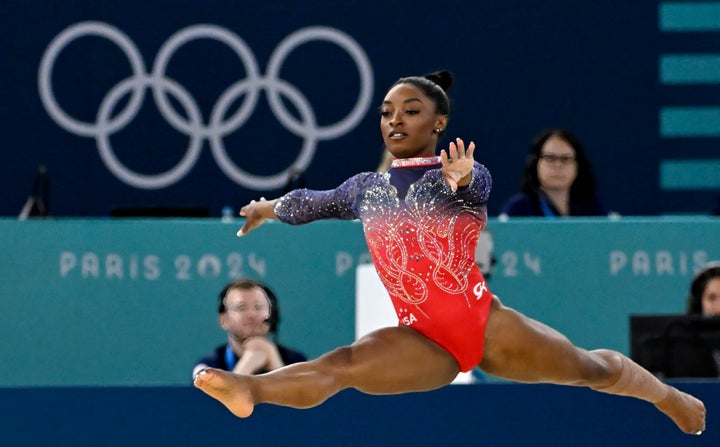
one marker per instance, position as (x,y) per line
(422,238)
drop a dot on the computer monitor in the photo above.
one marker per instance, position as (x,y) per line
(676,346)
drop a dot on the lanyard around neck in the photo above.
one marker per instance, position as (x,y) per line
(545,207)
(230,358)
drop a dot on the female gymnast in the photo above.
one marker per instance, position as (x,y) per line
(421,223)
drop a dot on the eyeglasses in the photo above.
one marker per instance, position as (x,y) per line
(552,158)
(243,309)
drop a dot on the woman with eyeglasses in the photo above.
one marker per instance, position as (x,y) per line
(558,180)
(422,220)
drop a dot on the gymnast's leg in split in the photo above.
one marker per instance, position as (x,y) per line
(520,349)
(386,361)
(399,360)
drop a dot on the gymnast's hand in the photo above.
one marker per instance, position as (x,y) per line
(255,213)
(457,166)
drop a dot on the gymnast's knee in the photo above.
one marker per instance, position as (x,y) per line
(618,372)
(630,379)
(612,370)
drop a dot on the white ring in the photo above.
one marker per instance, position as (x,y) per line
(192,123)
(47,64)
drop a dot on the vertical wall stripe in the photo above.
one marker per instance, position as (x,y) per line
(690,174)
(690,121)
(689,16)
(690,68)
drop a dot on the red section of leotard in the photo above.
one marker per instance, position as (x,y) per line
(427,265)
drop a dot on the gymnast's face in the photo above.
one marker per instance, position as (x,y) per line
(408,120)
(711,298)
(246,313)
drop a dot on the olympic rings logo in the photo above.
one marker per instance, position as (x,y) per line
(193,125)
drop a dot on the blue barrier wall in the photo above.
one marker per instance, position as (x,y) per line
(180,102)
(473,415)
(137,298)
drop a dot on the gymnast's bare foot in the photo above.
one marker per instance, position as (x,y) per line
(685,410)
(230,389)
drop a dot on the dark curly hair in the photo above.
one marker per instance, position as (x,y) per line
(435,86)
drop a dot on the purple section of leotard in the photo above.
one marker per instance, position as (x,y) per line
(363,193)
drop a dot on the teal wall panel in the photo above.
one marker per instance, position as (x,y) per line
(132,302)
